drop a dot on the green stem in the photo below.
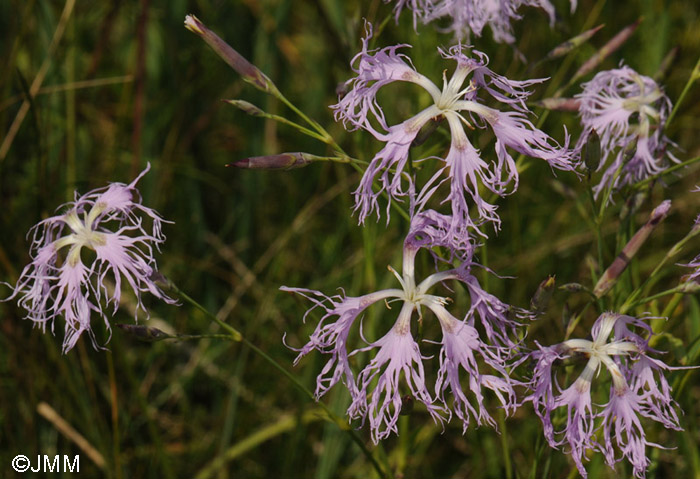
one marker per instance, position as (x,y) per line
(664,319)
(504,443)
(539,448)
(326,137)
(627,306)
(404,445)
(695,74)
(184,337)
(296,125)
(654,276)
(678,166)
(598,230)
(238,337)
(115,417)
(673,304)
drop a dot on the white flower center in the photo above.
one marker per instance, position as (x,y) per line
(83,234)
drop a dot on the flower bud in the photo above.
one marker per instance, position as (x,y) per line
(591,152)
(246,107)
(559,104)
(541,298)
(615,42)
(573,287)
(571,44)
(618,266)
(406,405)
(282,161)
(144,333)
(247,70)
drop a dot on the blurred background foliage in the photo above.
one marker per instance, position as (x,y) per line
(126,84)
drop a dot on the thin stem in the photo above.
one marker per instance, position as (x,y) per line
(185,337)
(598,230)
(303,129)
(38,79)
(404,445)
(235,334)
(238,337)
(672,305)
(642,184)
(653,277)
(559,75)
(76,85)
(626,307)
(504,444)
(115,417)
(666,313)
(327,138)
(694,75)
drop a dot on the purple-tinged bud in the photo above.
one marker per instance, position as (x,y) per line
(427,130)
(282,161)
(246,107)
(235,60)
(144,333)
(571,44)
(541,298)
(573,288)
(559,104)
(618,266)
(616,42)
(407,404)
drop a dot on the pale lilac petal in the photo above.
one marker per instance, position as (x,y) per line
(459,103)
(108,221)
(623,429)
(466,17)
(462,349)
(388,167)
(398,356)
(330,337)
(628,111)
(639,390)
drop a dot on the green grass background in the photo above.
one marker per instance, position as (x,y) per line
(128,84)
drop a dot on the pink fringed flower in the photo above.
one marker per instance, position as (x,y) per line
(638,390)
(375,390)
(458,102)
(466,17)
(101,236)
(628,111)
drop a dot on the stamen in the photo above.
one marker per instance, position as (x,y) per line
(398,276)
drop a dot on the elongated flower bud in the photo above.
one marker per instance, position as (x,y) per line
(247,70)
(246,107)
(283,161)
(541,298)
(571,44)
(144,333)
(618,266)
(559,104)
(592,152)
(615,42)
